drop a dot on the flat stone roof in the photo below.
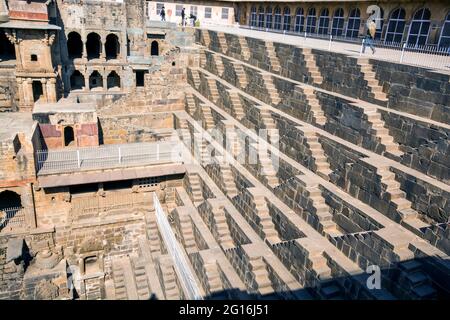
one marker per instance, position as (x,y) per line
(116,174)
(29,25)
(13,123)
(66,106)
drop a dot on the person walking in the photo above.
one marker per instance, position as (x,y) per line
(193,19)
(163,14)
(370,36)
(183,15)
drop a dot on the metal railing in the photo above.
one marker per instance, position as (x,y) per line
(106,156)
(181,264)
(429,56)
(13,217)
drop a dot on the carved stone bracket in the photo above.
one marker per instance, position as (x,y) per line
(12,36)
(49,38)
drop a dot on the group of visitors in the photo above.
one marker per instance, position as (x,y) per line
(368,40)
(192,17)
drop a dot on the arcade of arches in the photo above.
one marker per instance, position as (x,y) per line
(407,23)
(78,80)
(93,47)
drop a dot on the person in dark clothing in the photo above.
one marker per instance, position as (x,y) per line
(163,14)
(193,19)
(370,36)
(183,15)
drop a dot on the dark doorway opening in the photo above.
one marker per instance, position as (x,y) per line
(76,80)
(115,185)
(140,82)
(10,205)
(10,199)
(37,90)
(74,45)
(91,265)
(7,51)
(112,47)
(83,188)
(69,136)
(113,80)
(95,80)
(155,48)
(93,46)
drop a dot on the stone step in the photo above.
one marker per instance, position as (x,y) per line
(402,203)
(330,291)
(424,292)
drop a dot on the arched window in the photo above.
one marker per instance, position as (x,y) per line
(269,17)
(93,46)
(260,17)
(419,28)
(338,22)
(444,41)
(113,80)
(69,136)
(354,22)
(253,17)
(95,80)
(10,199)
(10,205)
(154,48)
(299,20)
(311,21)
(286,19)
(112,46)
(76,80)
(396,26)
(324,21)
(74,45)
(277,21)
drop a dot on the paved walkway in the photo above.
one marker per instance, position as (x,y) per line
(107,156)
(434,61)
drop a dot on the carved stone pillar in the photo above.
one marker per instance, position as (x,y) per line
(84,54)
(28,92)
(44,89)
(51,90)
(102,48)
(105,81)
(86,82)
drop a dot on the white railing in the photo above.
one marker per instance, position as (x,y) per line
(12,217)
(429,56)
(181,264)
(106,156)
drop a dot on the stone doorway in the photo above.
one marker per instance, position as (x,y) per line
(74,45)
(38,91)
(69,136)
(95,80)
(140,82)
(93,46)
(113,81)
(112,47)
(7,51)
(76,80)
(155,48)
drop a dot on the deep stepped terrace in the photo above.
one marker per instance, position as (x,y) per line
(283,172)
